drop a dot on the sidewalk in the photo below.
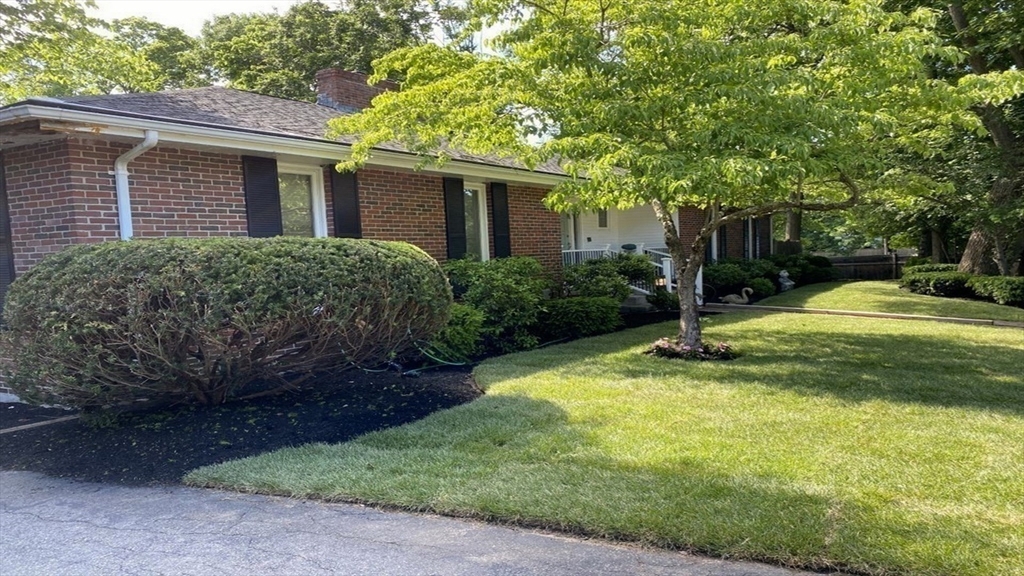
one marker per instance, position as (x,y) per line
(55,526)
(721,307)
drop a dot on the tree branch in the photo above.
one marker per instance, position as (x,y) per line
(773,207)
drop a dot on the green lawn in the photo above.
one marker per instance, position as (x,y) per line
(873,445)
(887,297)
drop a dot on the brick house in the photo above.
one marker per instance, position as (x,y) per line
(220,162)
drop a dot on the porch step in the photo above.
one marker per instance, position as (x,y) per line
(636,303)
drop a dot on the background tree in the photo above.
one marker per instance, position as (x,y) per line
(176,55)
(727,105)
(988,167)
(279,54)
(53,48)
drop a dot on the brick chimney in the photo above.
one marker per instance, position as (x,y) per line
(347,91)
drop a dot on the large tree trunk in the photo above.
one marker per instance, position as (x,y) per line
(686,260)
(992,247)
(987,248)
(977,258)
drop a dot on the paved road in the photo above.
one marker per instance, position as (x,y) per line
(51,527)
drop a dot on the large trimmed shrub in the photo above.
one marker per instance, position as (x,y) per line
(508,291)
(634,268)
(208,320)
(578,317)
(1007,290)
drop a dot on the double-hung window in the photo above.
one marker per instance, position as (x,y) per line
(303,209)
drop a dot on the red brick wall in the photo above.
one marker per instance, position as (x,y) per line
(347,88)
(403,206)
(174,192)
(42,202)
(691,220)
(62,192)
(536,231)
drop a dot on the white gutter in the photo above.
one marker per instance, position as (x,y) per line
(94,123)
(124,200)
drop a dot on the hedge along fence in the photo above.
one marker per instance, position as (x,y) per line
(944,280)
(208,320)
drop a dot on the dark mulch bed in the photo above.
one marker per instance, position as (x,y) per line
(158,447)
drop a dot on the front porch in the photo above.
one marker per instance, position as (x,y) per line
(661,261)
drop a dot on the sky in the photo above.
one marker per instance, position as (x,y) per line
(188,15)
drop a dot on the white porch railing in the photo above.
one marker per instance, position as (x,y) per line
(664,272)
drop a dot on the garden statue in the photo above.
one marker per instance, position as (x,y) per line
(734,299)
(784,282)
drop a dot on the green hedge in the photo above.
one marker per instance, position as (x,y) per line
(578,317)
(508,291)
(595,279)
(1007,290)
(919,268)
(459,341)
(946,284)
(208,320)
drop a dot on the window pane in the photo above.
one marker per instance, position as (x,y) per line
(473,227)
(296,204)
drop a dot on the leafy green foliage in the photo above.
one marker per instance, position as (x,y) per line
(508,292)
(662,299)
(53,48)
(634,267)
(460,338)
(810,95)
(279,54)
(762,287)
(947,284)
(721,277)
(804,269)
(1007,290)
(929,268)
(579,317)
(207,320)
(595,278)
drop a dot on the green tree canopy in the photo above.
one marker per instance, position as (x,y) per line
(279,54)
(53,48)
(727,105)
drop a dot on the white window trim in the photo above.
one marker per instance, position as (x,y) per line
(485,232)
(316,174)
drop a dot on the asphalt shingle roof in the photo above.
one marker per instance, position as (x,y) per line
(221,106)
(238,109)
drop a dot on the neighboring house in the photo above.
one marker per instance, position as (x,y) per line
(221,162)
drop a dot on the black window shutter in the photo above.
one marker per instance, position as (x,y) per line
(455,217)
(499,216)
(722,254)
(6,245)
(746,238)
(345,192)
(262,196)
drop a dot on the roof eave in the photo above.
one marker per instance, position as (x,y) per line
(81,119)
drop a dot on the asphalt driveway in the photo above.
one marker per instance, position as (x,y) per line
(53,526)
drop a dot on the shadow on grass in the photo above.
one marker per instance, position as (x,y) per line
(864,366)
(524,461)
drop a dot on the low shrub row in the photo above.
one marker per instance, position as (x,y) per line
(948,283)
(503,305)
(731,275)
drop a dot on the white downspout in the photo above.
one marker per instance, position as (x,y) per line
(124,200)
